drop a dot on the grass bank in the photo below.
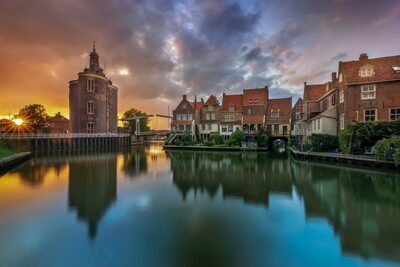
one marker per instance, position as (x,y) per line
(6,151)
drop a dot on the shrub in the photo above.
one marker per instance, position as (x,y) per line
(366,135)
(235,139)
(388,148)
(323,142)
(262,140)
(217,139)
(186,139)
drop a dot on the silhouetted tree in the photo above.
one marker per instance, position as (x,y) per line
(131,125)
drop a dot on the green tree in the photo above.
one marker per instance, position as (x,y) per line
(35,116)
(131,125)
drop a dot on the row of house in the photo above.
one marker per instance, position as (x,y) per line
(367,89)
(252,112)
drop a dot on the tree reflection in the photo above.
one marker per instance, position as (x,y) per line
(92,187)
(361,204)
(135,162)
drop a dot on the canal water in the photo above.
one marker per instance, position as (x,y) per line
(148,207)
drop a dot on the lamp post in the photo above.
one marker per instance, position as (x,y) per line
(353,124)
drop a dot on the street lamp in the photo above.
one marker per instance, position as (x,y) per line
(353,124)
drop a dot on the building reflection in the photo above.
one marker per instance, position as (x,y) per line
(92,187)
(135,162)
(242,175)
(361,204)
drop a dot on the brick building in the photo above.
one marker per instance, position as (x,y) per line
(93,100)
(297,112)
(369,90)
(186,116)
(209,117)
(278,116)
(254,109)
(58,124)
(231,114)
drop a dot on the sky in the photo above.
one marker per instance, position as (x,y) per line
(157,50)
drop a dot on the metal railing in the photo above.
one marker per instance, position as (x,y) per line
(59,135)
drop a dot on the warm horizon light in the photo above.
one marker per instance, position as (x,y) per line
(18,121)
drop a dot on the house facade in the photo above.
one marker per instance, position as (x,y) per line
(254,109)
(186,116)
(369,90)
(209,118)
(278,116)
(297,113)
(231,115)
(58,124)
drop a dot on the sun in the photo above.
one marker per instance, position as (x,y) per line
(18,122)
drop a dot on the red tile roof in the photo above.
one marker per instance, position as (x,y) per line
(253,119)
(255,96)
(383,68)
(199,105)
(235,101)
(212,101)
(284,105)
(314,91)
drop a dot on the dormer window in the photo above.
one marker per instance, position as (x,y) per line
(275,113)
(255,101)
(184,105)
(366,71)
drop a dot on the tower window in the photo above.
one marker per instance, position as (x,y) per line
(90,107)
(90,85)
(90,127)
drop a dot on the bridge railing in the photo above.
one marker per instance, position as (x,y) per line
(59,135)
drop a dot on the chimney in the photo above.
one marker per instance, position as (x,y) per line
(202,100)
(223,94)
(334,77)
(195,102)
(184,97)
(363,56)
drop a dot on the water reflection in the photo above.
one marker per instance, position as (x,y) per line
(361,204)
(222,209)
(92,187)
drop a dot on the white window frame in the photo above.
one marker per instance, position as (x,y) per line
(230,128)
(209,127)
(190,117)
(341,122)
(224,129)
(207,116)
(376,114)
(203,127)
(341,96)
(90,107)
(178,117)
(365,89)
(184,117)
(397,115)
(210,108)
(366,72)
(213,116)
(231,109)
(90,85)
(275,113)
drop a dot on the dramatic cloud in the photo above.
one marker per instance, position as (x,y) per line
(157,50)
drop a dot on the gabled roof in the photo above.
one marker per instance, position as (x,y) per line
(255,96)
(212,101)
(235,101)
(58,117)
(198,105)
(284,105)
(383,68)
(314,91)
